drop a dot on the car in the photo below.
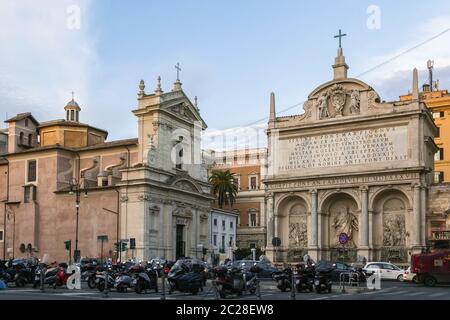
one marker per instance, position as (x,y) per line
(387,270)
(337,269)
(409,276)
(266,269)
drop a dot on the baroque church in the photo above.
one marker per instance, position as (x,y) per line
(349,164)
(151,191)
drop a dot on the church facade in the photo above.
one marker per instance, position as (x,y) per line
(151,189)
(349,164)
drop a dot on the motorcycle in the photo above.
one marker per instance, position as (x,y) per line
(104,280)
(123,282)
(304,279)
(49,276)
(236,280)
(283,279)
(145,280)
(183,278)
(323,280)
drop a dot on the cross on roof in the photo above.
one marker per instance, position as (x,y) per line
(340,36)
(73,94)
(178,70)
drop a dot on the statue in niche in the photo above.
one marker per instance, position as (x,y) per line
(151,150)
(345,221)
(354,102)
(322,105)
(394,231)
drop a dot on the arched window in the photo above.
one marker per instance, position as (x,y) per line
(21,138)
(30,139)
(67,115)
(72,115)
(77,114)
(179,164)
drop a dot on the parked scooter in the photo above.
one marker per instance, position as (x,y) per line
(236,280)
(100,280)
(323,280)
(145,281)
(304,279)
(123,282)
(49,277)
(183,278)
(283,279)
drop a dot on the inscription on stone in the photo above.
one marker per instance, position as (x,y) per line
(357,147)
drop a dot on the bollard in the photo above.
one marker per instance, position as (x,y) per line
(105,290)
(42,277)
(258,289)
(163,286)
(292,286)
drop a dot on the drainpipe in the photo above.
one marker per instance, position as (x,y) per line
(4,212)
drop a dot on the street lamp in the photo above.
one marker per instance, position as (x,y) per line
(75,189)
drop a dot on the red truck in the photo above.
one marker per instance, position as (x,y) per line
(431,268)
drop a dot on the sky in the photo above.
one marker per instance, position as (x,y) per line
(232,55)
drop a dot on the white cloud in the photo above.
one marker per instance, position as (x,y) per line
(252,136)
(42,60)
(395,77)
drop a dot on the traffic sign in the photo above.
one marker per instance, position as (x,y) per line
(343,238)
(276,242)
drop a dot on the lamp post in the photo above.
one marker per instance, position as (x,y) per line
(75,188)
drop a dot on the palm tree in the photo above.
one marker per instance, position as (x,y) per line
(223,187)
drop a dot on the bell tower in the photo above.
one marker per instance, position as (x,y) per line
(72,110)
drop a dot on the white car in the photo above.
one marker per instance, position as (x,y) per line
(387,271)
(409,276)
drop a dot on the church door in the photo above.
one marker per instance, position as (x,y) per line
(180,244)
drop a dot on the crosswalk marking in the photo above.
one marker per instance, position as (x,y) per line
(413,294)
(438,294)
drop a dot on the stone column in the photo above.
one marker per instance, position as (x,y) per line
(313,248)
(423,214)
(364,230)
(314,219)
(416,215)
(271,226)
(364,217)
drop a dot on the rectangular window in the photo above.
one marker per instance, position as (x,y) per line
(231,241)
(236,182)
(439,155)
(29,193)
(223,244)
(438,134)
(231,224)
(438,114)
(253,220)
(31,171)
(1,235)
(223,224)
(438,176)
(215,240)
(215,222)
(72,115)
(253,183)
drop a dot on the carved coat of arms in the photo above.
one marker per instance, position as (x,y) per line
(338,98)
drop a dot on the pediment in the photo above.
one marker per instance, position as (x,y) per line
(347,84)
(186,185)
(182,111)
(334,99)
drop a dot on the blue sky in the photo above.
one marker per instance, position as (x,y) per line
(232,54)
